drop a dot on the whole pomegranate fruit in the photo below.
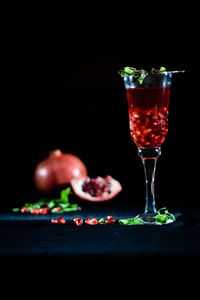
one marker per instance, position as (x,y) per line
(57,170)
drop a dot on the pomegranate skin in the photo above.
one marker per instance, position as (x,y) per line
(57,170)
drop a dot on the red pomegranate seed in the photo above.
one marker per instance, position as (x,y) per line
(78,221)
(24,209)
(57,208)
(92,221)
(110,220)
(61,220)
(35,211)
(43,210)
(54,221)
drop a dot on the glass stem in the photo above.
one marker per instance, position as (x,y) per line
(149,171)
(149,158)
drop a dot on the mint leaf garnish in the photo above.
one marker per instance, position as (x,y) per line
(154,71)
(142,76)
(139,74)
(127,71)
(163,218)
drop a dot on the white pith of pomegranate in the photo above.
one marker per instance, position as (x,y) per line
(96,189)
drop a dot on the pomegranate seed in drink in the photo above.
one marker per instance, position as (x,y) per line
(148,115)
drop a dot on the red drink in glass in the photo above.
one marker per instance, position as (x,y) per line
(148,104)
(148,115)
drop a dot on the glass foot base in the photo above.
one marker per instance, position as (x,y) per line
(149,219)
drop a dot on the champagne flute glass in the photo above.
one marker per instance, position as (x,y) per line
(148,108)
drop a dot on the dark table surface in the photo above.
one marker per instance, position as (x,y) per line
(26,236)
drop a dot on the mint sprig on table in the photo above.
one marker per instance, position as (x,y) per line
(57,205)
(139,74)
(131,221)
(160,218)
(164,217)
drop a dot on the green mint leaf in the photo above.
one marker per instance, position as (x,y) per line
(101,221)
(139,74)
(64,195)
(16,209)
(143,74)
(162,69)
(129,70)
(69,191)
(28,205)
(130,221)
(160,219)
(164,217)
(51,203)
(36,205)
(68,209)
(55,210)
(64,205)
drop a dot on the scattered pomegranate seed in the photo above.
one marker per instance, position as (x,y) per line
(35,211)
(110,220)
(92,221)
(78,221)
(43,210)
(24,209)
(54,221)
(57,208)
(61,220)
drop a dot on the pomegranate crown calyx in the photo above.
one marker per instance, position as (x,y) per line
(56,152)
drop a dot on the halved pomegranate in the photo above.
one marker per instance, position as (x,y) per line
(96,189)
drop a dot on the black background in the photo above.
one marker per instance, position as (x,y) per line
(60,89)
(63,91)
